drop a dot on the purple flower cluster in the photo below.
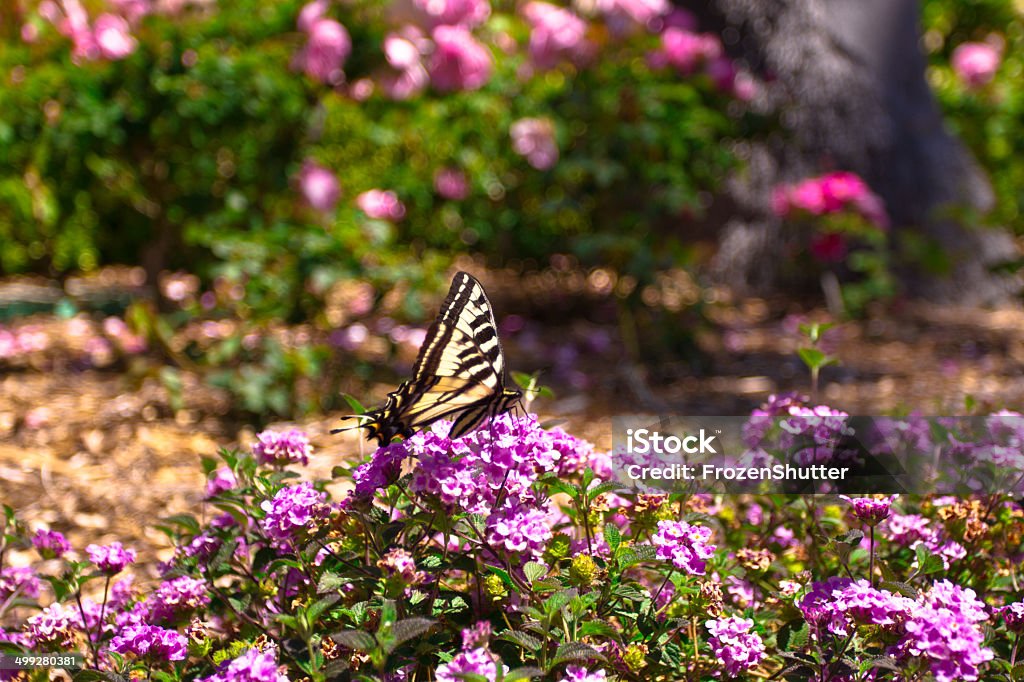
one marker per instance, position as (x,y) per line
(150,642)
(252,666)
(837,603)
(110,559)
(477,636)
(282,449)
(177,598)
(50,544)
(911,530)
(292,509)
(734,645)
(399,563)
(479,661)
(944,629)
(1013,616)
(18,579)
(871,511)
(577,673)
(380,471)
(53,626)
(556,35)
(221,480)
(685,545)
(519,529)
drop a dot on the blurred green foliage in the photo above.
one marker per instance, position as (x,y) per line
(989,119)
(184,155)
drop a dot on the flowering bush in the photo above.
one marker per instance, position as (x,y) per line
(508,555)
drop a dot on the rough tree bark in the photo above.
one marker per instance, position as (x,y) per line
(848,81)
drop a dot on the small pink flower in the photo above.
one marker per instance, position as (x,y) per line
(808,196)
(319,186)
(841,188)
(132,10)
(381,205)
(975,63)
(451,183)
(555,34)
(311,13)
(686,51)
(459,61)
(112,37)
(325,53)
(29,33)
(534,139)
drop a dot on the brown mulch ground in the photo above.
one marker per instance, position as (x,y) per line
(106,456)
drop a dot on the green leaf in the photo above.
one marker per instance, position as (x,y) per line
(356,640)
(575,651)
(318,607)
(533,570)
(601,488)
(331,582)
(612,536)
(354,405)
(793,636)
(524,673)
(528,642)
(407,629)
(599,628)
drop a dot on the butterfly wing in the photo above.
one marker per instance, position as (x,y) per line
(459,372)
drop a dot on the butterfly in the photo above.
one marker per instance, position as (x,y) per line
(459,374)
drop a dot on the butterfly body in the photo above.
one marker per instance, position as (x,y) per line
(459,373)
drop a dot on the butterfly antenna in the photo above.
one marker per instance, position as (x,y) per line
(357,426)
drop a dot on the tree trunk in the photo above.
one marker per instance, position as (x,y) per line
(848,83)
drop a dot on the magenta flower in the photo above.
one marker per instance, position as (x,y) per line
(477,661)
(113,37)
(281,449)
(178,598)
(1013,616)
(685,546)
(975,64)
(112,558)
(577,673)
(222,479)
(459,61)
(556,34)
(18,579)
(944,630)
(328,47)
(252,666)
(319,186)
(870,510)
(381,205)
(625,15)
(734,645)
(53,626)
(151,642)
(451,183)
(534,139)
(292,509)
(687,51)
(50,544)
(398,562)
(477,636)
(829,247)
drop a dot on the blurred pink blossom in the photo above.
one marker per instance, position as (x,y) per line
(681,18)
(310,13)
(830,193)
(468,13)
(404,52)
(451,183)
(808,196)
(686,51)
(113,37)
(975,64)
(328,47)
(381,204)
(534,139)
(623,15)
(361,89)
(556,34)
(29,32)
(132,10)
(459,61)
(829,247)
(319,186)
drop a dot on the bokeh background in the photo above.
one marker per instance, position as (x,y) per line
(217,216)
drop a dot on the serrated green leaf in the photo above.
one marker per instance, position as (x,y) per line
(534,570)
(612,536)
(575,651)
(528,642)
(357,640)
